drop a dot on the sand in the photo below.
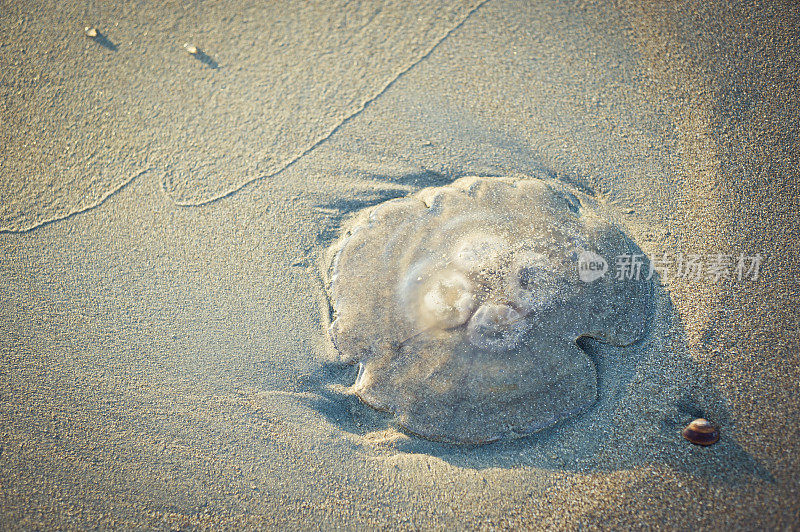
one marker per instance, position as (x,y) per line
(164,362)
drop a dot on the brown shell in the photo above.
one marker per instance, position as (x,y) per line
(701,432)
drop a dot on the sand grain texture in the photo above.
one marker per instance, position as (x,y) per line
(165,365)
(82,117)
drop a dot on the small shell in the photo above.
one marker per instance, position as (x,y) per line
(192,49)
(91,32)
(701,432)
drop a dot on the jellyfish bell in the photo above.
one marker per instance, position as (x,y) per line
(475,253)
(447,300)
(462,305)
(496,326)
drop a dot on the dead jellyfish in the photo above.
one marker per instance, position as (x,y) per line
(475,253)
(463,305)
(448,300)
(531,285)
(495,326)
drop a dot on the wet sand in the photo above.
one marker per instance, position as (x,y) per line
(164,361)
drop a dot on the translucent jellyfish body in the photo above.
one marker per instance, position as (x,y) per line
(462,304)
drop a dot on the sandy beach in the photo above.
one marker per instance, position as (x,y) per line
(165,218)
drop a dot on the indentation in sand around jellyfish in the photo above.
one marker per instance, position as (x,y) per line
(462,304)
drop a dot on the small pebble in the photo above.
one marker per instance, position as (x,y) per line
(192,49)
(89,31)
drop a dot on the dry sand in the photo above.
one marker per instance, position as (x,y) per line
(164,363)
